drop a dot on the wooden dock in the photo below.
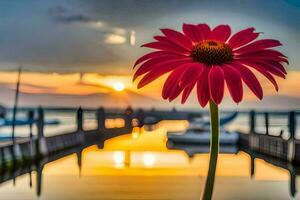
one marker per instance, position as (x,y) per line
(24,150)
(25,155)
(262,142)
(287,149)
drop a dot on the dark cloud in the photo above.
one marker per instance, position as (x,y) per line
(131,13)
(64,15)
(61,36)
(78,18)
(57,10)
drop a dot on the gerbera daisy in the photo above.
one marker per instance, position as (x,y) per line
(210,59)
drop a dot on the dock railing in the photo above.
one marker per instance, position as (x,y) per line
(36,147)
(265,142)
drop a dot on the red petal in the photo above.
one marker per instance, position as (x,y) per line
(166,46)
(277,65)
(184,81)
(152,75)
(216,84)
(154,55)
(221,33)
(156,63)
(176,90)
(205,31)
(264,53)
(178,38)
(262,58)
(171,81)
(242,37)
(203,87)
(249,79)
(187,91)
(234,83)
(191,73)
(193,32)
(267,66)
(258,45)
(268,76)
(167,41)
(189,76)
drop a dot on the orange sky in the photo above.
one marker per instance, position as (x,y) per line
(91,83)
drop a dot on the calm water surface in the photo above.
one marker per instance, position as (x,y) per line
(139,166)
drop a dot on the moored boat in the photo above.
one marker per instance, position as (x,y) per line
(202,137)
(203,123)
(191,150)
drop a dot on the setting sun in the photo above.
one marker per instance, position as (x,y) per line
(119,86)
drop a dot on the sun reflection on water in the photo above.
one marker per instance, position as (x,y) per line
(119,158)
(145,153)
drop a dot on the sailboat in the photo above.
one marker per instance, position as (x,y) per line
(204,123)
(199,132)
(24,122)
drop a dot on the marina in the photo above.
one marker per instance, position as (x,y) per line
(149,100)
(30,155)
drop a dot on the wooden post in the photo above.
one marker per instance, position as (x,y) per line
(252,163)
(79,160)
(40,122)
(100,118)
(292,124)
(32,121)
(30,117)
(1,160)
(16,104)
(267,122)
(39,176)
(252,122)
(140,116)
(293,187)
(292,148)
(41,146)
(79,119)
(128,117)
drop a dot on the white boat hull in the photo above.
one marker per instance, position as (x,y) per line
(195,137)
(191,149)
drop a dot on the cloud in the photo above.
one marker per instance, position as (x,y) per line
(104,36)
(78,18)
(114,39)
(57,10)
(64,15)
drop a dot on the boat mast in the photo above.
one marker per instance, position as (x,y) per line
(16,104)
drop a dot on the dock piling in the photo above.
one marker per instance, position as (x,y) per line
(79,119)
(41,146)
(128,117)
(252,121)
(40,122)
(292,124)
(100,115)
(267,122)
(140,116)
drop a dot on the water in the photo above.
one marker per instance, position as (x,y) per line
(68,123)
(140,166)
(172,176)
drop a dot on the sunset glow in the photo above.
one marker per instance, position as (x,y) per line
(119,86)
(52,84)
(149,100)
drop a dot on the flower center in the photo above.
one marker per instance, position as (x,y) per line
(212,52)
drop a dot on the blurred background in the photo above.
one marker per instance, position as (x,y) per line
(81,53)
(74,126)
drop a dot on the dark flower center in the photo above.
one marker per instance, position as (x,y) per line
(212,52)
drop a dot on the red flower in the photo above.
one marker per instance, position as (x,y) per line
(209,59)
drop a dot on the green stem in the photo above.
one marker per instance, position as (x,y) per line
(214,150)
